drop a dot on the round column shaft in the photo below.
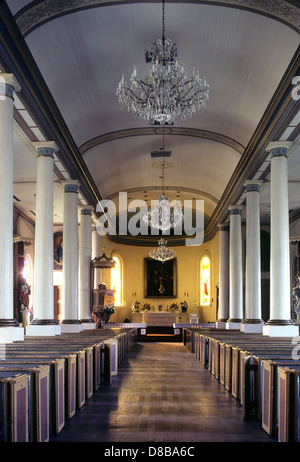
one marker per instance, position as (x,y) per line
(253,321)
(8,84)
(235,269)
(223,313)
(280,322)
(70,322)
(43,322)
(85,255)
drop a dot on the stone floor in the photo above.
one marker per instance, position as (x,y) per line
(162,394)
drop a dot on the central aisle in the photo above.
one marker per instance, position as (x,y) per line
(161,394)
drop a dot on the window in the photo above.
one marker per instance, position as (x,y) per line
(205,281)
(27,270)
(116,280)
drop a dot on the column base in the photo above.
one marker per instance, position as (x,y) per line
(9,323)
(280,330)
(71,326)
(11,334)
(221,324)
(234,324)
(254,326)
(87,324)
(37,329)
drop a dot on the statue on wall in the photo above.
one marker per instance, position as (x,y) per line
(24,295)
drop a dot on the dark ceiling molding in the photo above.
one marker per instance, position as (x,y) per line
(191,191)
(154,130)
(276,118)
(39,12)
(148,241)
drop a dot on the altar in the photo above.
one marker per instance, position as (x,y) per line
(160,318)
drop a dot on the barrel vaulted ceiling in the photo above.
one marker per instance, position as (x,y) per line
(69,57)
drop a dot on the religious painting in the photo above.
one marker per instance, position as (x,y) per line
(58,251)
(160,278)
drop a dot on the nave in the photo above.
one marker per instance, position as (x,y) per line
(161,394)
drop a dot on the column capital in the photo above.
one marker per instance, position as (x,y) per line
(253,185)
(86,210)
(45,148)
(279,148)
(71,186)
(235,209)
(10,81)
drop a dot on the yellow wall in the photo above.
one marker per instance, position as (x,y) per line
(188,259)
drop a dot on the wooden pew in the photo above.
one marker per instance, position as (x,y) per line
(67,365)
(239,369)
(74,374)
(84,358)
(101,370)
(57,386)
(14,408)
(288,413)
(38,399)
(252,377)
(271,394)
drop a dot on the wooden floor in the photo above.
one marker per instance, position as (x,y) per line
(161,394)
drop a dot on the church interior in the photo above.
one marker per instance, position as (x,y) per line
(112,114)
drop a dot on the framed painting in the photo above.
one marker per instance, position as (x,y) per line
(160,278)
(58,251)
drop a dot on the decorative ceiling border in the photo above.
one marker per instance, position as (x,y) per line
(195,192)
(155,130)
(39,12)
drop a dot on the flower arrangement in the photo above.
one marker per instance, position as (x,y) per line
(174,307)
(146,307)
(109,308)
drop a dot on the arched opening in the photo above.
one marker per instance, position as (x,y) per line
(205,282)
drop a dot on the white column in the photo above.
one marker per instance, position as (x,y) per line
(43,322)
(223,313)
(280,322)
(70,321)
(85,255)
(253,320)
(235,269)
(9,327)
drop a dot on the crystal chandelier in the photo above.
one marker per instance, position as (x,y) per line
(162,253)
(167,92)
(164,217)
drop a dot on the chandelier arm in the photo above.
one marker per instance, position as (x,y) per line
(187,99)
(130,93)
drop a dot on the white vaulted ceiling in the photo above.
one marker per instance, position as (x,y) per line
(77,52)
